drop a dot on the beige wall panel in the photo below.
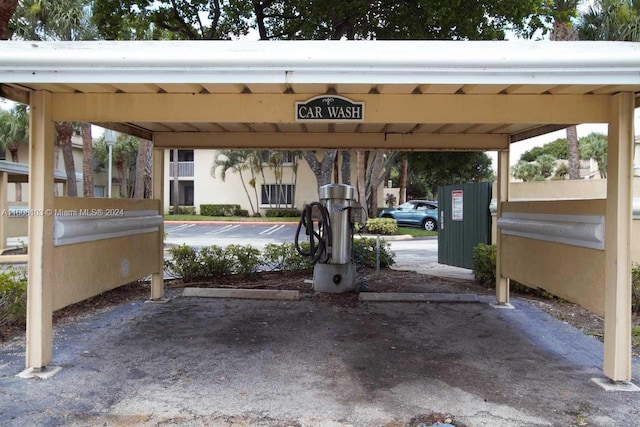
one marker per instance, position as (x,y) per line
(557,207)
(280,108)
(570,272)
(83,270)
(549,190)
(17,226)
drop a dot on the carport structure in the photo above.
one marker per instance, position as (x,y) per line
(414,95)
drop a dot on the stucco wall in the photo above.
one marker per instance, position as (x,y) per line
(572,272)
(570,190)
(82,270)
(23,157)
(213,190)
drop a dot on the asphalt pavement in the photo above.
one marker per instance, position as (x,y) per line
(419,255)
(318,361)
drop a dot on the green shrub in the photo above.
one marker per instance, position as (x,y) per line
(13,296)
(635,288)
(364,253)
(483,262)
(285,257)
(283,213)
(215,261)
(384,226)
(221,210)
(184,263)
(183,210)
(246,259)
(242,212)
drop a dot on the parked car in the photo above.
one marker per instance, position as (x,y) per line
(415,213)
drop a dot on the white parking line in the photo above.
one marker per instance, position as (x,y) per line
(271,230)
(179,228)
(224,229)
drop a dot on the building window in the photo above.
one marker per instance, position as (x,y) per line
(98,191)
(277,195)
(185,193)
(183,155)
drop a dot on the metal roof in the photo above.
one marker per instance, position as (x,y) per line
(347,68)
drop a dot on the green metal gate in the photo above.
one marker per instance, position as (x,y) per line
(465,221)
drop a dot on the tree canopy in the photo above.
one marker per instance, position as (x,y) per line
(556,148)
(438,168)
(330,19)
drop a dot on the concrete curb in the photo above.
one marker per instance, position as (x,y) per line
(265,294)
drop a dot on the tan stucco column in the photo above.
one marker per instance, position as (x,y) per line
(617,295)
(3,208)
(39,292)
(502,195)
(157,279)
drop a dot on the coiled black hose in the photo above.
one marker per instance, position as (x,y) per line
(320,251)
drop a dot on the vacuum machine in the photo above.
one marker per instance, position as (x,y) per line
(329,230)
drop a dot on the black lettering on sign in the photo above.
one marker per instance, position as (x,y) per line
(329,108)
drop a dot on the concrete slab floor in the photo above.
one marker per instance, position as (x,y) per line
(200,361)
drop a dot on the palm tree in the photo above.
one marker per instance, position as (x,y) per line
(611,20)
(563,30)
(7,8)
(235,161)
(60,20)
(594,146)
(14,132)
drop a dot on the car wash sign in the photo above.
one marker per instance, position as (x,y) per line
(329,108)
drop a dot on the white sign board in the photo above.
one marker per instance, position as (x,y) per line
(456,205)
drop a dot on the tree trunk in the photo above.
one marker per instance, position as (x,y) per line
(14,158)
(87,160)
(56,160)
(123,178)
(573,152)
(404,166)
(361,165)
(564,31)
(376,178)
(346,167)
(322,170)
(176,184)
(141,160)
(148,171)
(65,132)
(7,8)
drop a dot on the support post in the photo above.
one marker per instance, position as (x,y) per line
(502,283)
(617,294)
(4,213)
(39,291)
(157,279)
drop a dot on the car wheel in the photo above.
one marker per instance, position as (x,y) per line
(429,225)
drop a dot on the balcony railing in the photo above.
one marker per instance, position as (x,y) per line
(184,169)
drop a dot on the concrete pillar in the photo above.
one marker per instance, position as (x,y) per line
(39,292)
(157,279)
(502,195)
(618,217)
